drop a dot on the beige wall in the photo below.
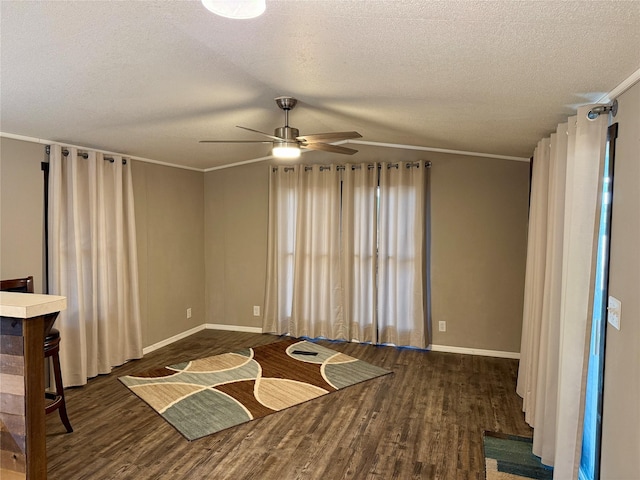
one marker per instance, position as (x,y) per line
(21,211)
(479,224)
(170,229)
(236,208)
(621,402)
(479,211)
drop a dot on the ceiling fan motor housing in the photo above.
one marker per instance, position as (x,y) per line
(288,135)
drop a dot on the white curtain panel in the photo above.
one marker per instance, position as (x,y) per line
(304,288)
(534,280)
(93,262)
(344,263)
(317,287)
(560,277)
(359,245)
(401,286)
(540,348)
(585,169)
(283,201)
(546,398)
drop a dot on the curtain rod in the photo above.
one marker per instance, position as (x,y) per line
(85,155)
(356,167)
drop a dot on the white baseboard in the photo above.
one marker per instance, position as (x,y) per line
(204,326)
(232,328)
(474,351)
(239,328)
(170,340)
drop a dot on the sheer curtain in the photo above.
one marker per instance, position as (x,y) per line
(346,254)
(93,262)
(401,286)
(283,201)
(563,228)
(359,249)
(317,287)
(304,287)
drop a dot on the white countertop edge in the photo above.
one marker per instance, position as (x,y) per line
(28,305)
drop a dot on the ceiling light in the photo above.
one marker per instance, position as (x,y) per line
(284,150)
(239,9)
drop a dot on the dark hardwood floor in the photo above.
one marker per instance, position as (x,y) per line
(423,421)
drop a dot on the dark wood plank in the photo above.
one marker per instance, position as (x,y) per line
(424,421)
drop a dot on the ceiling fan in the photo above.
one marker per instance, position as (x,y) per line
(287,140)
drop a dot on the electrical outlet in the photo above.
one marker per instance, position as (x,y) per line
(189,312)
(256,310)
(614,311)
(442,326)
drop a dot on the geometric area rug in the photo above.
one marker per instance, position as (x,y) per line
(207,395)
(509,457)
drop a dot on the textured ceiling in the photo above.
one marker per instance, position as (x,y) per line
(151,78)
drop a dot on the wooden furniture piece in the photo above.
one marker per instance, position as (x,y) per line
(24,319)
(51,350)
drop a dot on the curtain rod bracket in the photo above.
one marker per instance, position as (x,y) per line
(85,155)
(596,111)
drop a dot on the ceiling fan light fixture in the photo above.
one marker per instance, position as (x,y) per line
(237,9)
(286,151)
